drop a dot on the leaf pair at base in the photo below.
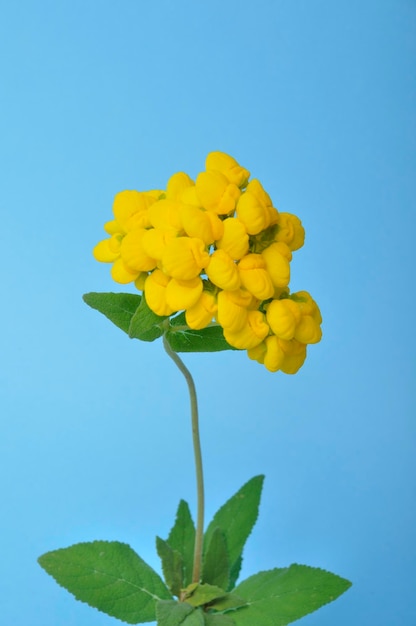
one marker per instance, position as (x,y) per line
(224,541)
(111,577)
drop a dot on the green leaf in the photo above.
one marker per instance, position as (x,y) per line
(235,571)
(209,339)
(229,601)
(171,613)
(118,307)
(145,324)
(216,568)
(199,594)
(211,619)
(236,519)
(182,539)
(172,566)
(109,576)
(178,320)
(281,596)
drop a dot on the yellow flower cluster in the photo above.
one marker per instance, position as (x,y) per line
(217,249)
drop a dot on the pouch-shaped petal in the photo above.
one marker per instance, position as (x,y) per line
(228,166)
(258,352)
(222,271)
(185,257)
(155,290)
(283,317)
(234,239)
(254,276)
(253,208)
(203,311)
(308,305)
(133,253)
(120,273)
(155,240)
(290,231)
(165,214)
(215,193)
(183,294)
(233,309)
(127,203)
(274,355)
(251,334)
(277,264)
(293,362)
(205,225)
(108,250)
(308,330)
(177,184)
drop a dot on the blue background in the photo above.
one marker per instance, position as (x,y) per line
(315,98)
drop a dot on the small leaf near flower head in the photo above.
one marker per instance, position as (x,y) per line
(210,339)
(145,324)
(118,307)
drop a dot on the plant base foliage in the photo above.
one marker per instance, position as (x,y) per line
(111,577)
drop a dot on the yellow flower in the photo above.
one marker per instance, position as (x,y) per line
(254,208)
(215,193)
(205,225)
(155,240)
(177,185)
(274,356)
(166,214)
(133,253)
(295,355)
(120,273)
(155,291)
(254,276)
(233,309)
(183,294)
(184,258)
(234,239)
(308,329)
(222,271)
(108,250)
(253,332)
(203,311)
(221,162)
(277,257)
(218,250)
(290,231)
(283,317)
(130,208)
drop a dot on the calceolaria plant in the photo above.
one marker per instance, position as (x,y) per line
(211,260)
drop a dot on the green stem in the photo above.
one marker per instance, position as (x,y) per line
(199,534)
